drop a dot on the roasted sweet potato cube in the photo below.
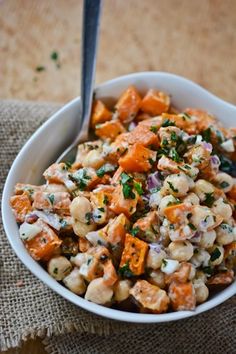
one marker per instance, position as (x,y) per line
(147,227)
(109,130)
(116,229)
(21,206)
(176,213)
(134,254)
(121,205)
(100,113)
(43,245)
(182,296)
(150,297)
(221,278)
(58,201)
(128,105)
(202,118)
(138,159)
(155,102)
(181,275)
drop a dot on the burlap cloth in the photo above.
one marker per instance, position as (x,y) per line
(32,309)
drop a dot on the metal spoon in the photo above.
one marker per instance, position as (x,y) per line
(91,21)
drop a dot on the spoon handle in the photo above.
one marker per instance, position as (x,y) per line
(91,21)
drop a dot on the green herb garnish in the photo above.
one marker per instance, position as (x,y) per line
(167,123)
(224,184)
(209,199)
(134,231)
(54,56)
(172,187)
(138,187)
(215,254)
(192,226)
(153,129)
(51,198)
(125,271)
(206,135)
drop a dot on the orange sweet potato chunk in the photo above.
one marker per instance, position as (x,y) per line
(121,205)
(182,296)
(43,245)
(128,105)
(155,102)
(175,213)
(21,206)
(181,275)
(222,278)
(100,113)
(150,297)
(137,159)
(109,130)
(134,254)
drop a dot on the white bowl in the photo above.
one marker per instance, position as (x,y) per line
(56,134)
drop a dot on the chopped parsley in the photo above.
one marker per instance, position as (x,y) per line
(125,271)
(153,129)
(207,270)
(63,223)
(88,217)
(81,178)
(105,200)
(224,184)
(209,199)
(125,178)
(51,198)
(164,263)
(174,155)
(127,191)
(55,270)
(215,254)
(192,226)
(206,135)
(127,188)
(167,123)
(138,187)
(185,116)
(172,187)
(134,231)
(173,137)
(101,209)
(104,169)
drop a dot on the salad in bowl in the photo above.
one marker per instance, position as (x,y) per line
(143,220)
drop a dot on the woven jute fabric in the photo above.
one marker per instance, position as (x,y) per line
(28,308)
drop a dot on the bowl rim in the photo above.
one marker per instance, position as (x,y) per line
(42,275)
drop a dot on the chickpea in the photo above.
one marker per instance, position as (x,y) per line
(157,277)
(122,289)
(202,188)
(207,239)
(180,250)
(93,159)
(200,257)
(75,282)
(201,291)
(59,267)
(223,209)
(202,218)
(217,251)
(200,275)
(177,185)
(224,181)
(166,201)
(98,292)
(80,258)
(192,198)
(155,199)
(225,234)
(81,229)
(80,208)
(154,259)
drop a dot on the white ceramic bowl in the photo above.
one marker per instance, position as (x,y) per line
(42,149)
